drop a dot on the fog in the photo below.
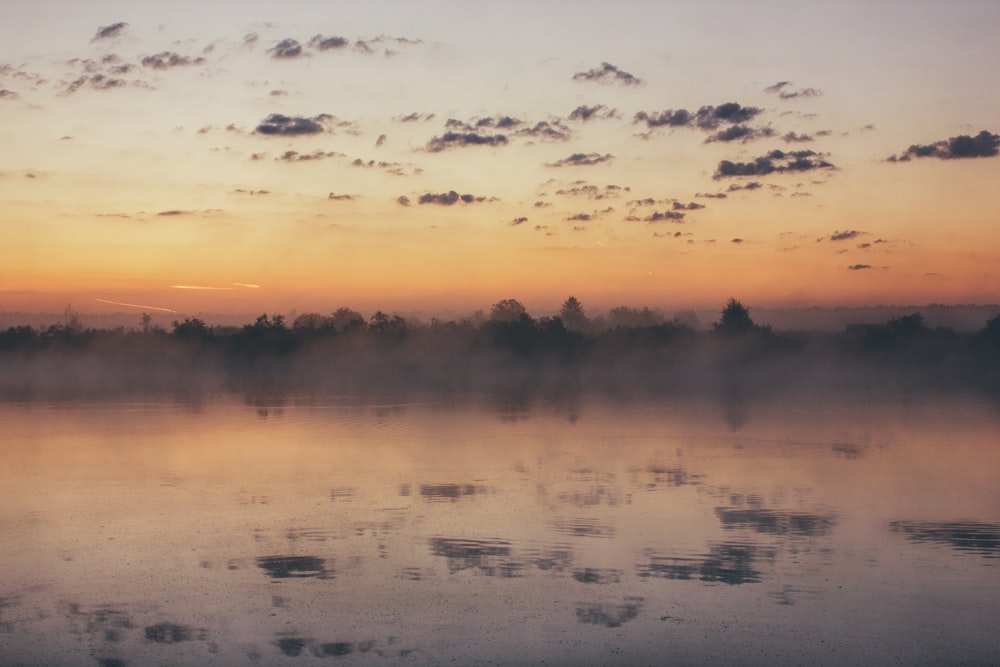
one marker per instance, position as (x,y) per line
(623,354)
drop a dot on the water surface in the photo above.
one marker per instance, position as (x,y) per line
(237,531)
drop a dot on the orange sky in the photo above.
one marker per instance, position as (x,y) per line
(146,148)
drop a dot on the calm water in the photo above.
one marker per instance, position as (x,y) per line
(236,532)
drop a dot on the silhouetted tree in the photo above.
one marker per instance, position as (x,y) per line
(735,319)
(346,320)
(191,329)
(572,315)
(385,326)
(907,326)
(311,324)
(508,310)
(623,316)
(991,332)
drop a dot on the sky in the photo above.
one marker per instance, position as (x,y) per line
(215,156)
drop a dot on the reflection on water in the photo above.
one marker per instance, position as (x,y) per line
(971,536)
(269,531)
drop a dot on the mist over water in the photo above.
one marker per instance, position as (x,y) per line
(283,528)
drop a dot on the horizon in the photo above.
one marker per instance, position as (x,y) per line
(412,161)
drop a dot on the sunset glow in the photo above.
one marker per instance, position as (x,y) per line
(423,156)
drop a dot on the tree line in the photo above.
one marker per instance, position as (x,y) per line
(630,347)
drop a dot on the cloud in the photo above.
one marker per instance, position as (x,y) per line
(554,131)
(742,133)
(518,221)
(607,74)
(448,198)
(98,82)
(580,217)
(414,117)
(984,144)
(706,118)
(582,159)
(846,235)
(173,212)
(752,185)
(711,195)
(737,240)
(595,112)
(169,59)
(458,139)
(328,43)
(783,90)
(403,200)
(336,197)
(665,216)
(381,140)
(583,189)
(690,206)
(776,161)
(795,137)
(295,156)
(858,267)
(278,93)
(110,31)
(286,49)
(280,125)
(8,94)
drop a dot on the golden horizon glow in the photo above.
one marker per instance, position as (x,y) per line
(189,162)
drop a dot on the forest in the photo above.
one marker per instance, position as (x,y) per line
(627,352)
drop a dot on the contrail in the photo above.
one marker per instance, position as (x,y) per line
(199,287)
(136,305)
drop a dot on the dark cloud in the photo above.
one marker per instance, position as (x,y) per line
(109,31)
(458,139)
(97,82)
(737,240)
(608,73)
(776,161)
(706,118)
(403,200)
(595,112)
(665,216)
(752,185)
(711,195)
(580,217)
(335,197)
(448,198)
(795,138)
(414,116)
(846,235)
(743,133)
(783,90)
(553,131)
(286,48)
(169,59)
(381,140)
(583,189)
(280,125)
(519,221)
(394,168)
(582,159)
(858,267)
(984,144)
(295,156)
(324,43)
(690,206)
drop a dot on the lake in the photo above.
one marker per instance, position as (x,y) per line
(234,530)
